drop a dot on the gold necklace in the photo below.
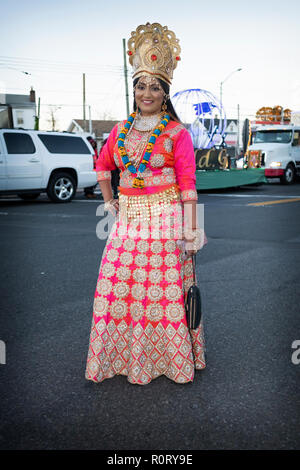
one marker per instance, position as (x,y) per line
(146,123)
(136,152)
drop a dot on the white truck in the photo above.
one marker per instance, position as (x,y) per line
(32,162)
(278,148)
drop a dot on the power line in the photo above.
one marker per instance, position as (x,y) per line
(75,92)
(25,60)
(37,72)
(58,69)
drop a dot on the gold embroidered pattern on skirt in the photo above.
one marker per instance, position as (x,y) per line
(155,276)
(139,275)
(123,273)
(154,351)
(139,327)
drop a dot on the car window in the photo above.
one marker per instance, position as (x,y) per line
(64,144)
(276,136)
(296,140)
(17,142)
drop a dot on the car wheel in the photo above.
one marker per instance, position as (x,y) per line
(29,197)
(289,175)
(61,188)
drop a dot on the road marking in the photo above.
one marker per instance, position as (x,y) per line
(38,214)
(279,201)
(91,200)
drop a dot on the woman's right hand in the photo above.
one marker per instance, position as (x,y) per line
(116,206)
(113,207)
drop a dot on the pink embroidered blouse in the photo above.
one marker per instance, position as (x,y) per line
(172,162)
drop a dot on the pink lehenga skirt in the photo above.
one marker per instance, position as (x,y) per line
(139,327)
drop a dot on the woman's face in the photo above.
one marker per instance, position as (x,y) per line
(149,96)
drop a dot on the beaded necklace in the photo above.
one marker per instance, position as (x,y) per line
(139,182)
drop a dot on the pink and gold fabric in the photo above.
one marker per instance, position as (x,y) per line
(139,327)
(172,162)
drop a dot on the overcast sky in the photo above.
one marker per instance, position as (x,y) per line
(55,42)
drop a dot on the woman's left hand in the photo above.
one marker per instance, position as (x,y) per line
(186,250)
(192,245)
(189,248)
(190,253)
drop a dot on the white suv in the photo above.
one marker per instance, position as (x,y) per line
(32,162)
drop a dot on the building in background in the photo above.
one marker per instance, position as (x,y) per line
(231,132)
(17,111)
(98,129)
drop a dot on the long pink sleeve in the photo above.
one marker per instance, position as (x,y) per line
(105,163)
(185,165)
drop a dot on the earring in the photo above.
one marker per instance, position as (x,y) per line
(164,106)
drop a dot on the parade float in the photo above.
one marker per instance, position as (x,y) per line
(204,117)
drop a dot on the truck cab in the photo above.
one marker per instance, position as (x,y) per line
(278,147)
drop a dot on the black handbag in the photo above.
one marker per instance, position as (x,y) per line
(193,302)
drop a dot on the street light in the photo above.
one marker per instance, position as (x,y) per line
(221,89)
(13,68)
(221,84)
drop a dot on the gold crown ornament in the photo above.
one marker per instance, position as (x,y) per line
(153,51)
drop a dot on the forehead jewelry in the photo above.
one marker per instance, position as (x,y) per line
(148,81)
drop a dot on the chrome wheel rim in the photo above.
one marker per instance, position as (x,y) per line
(63,189)
(289,174)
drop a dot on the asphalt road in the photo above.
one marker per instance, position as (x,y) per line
(247,397)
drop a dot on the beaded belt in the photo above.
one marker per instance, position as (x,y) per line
(146,206)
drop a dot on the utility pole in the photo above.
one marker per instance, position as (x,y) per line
(238,130)
(83,83)
(125,76)
(37,117)
(90,121)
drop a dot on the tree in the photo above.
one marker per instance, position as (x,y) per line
(53,121)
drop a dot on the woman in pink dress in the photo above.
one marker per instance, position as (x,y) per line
(139,327)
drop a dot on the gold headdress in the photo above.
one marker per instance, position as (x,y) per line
(154,51)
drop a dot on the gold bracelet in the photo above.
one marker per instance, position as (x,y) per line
(109,203)
(190,234)
(197,242)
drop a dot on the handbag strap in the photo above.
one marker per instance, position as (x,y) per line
(194,268)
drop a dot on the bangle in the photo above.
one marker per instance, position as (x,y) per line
(198,241)
(110,203)
(190,234)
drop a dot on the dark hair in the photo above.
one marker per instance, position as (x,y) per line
(92,141)
(170,109)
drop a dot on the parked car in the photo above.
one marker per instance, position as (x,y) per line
(34,162)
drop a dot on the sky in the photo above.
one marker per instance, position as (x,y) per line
(56,42)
